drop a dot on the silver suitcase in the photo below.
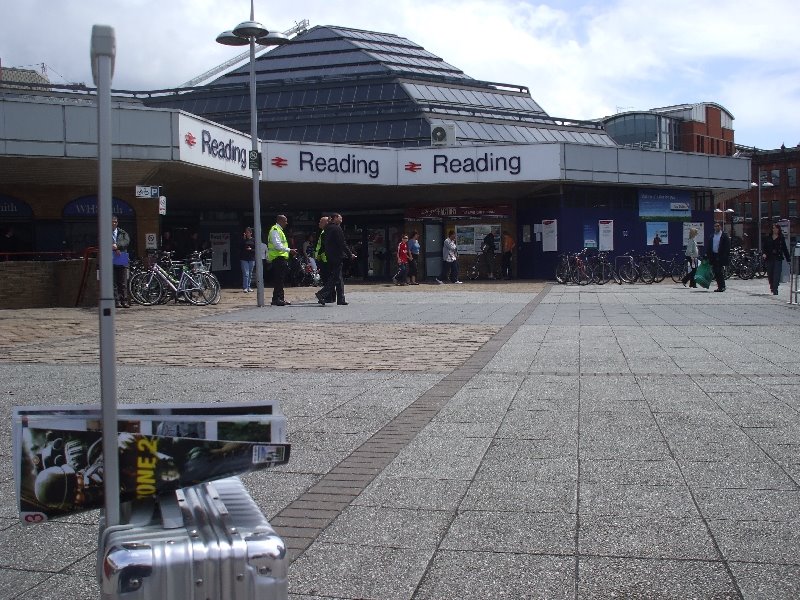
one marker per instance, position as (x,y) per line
(205,542)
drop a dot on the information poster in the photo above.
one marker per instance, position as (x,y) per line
(657,233)
(606,235)
(699,238)
(589,234)
(465,239)
(550,235)
(221,246)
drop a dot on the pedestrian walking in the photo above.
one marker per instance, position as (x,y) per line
(449,259)
(121,263)
(278,252)
(247,259)
(488,248)
(508,244)
(692,254)
(719,254)
(336,250)
(775,251)
(413,257)
(403,256)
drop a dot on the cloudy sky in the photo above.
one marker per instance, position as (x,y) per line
(581,59)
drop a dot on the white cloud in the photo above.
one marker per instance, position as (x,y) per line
(580,58)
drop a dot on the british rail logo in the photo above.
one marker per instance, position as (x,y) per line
(279,162)
(413,167)
(190,139)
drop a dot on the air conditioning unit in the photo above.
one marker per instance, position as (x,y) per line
(443,135)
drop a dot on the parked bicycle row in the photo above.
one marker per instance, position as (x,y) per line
(588,266)
(163,279)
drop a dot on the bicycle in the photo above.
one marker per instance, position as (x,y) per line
(157,284)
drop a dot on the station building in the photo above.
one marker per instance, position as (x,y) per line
(363,123)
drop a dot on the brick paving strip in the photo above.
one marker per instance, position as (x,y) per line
(304,519)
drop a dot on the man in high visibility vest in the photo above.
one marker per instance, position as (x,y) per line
(278,253)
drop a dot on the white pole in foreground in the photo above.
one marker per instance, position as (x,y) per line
(103,52)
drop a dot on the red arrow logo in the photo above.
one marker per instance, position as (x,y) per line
(279,162)
(190,139)
(413,167)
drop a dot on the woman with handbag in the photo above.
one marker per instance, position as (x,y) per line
(691,259)
(775,251)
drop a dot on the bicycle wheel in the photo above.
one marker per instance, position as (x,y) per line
(146,289)
(214,284)
(645,271)
(678,270)
(582,275)
(627,272)
(562,272)
(474,271)
(603,273)
(659,273)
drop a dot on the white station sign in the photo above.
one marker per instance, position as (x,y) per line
(209,145)
(329,163)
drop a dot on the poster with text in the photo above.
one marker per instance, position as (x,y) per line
(699,238)
(465,239)
(221,245)
(589,234)
(550,235)
(606,235)
(657,233)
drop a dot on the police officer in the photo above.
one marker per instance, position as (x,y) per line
(278,253)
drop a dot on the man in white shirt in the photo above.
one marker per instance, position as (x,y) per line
(719,255)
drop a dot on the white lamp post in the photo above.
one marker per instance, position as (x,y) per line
(761,184)
(251,32)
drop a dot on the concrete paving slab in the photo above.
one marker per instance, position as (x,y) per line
(544,442)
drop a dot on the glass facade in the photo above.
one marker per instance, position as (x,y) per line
(644,130)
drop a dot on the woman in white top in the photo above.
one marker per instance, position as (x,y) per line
(691,259)
(449,260)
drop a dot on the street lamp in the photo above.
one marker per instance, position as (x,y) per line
(761,184)
(727,211)
(251,32)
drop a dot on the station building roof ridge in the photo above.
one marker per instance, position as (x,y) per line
(338,85)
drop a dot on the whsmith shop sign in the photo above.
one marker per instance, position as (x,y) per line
(319,163)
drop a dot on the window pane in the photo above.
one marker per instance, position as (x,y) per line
(776,208)
(776,177)
(791,176)
(792,208)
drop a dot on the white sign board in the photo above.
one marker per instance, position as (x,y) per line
(221,247)
(329,163)
(147,191)
(162,205)
(550,235)
(151,241)
(606,234)
(207,144)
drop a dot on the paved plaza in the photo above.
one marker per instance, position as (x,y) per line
(489,440)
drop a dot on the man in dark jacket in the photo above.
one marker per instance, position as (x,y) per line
(336,251)
(719,255)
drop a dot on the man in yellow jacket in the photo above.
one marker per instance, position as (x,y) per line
(278,253)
